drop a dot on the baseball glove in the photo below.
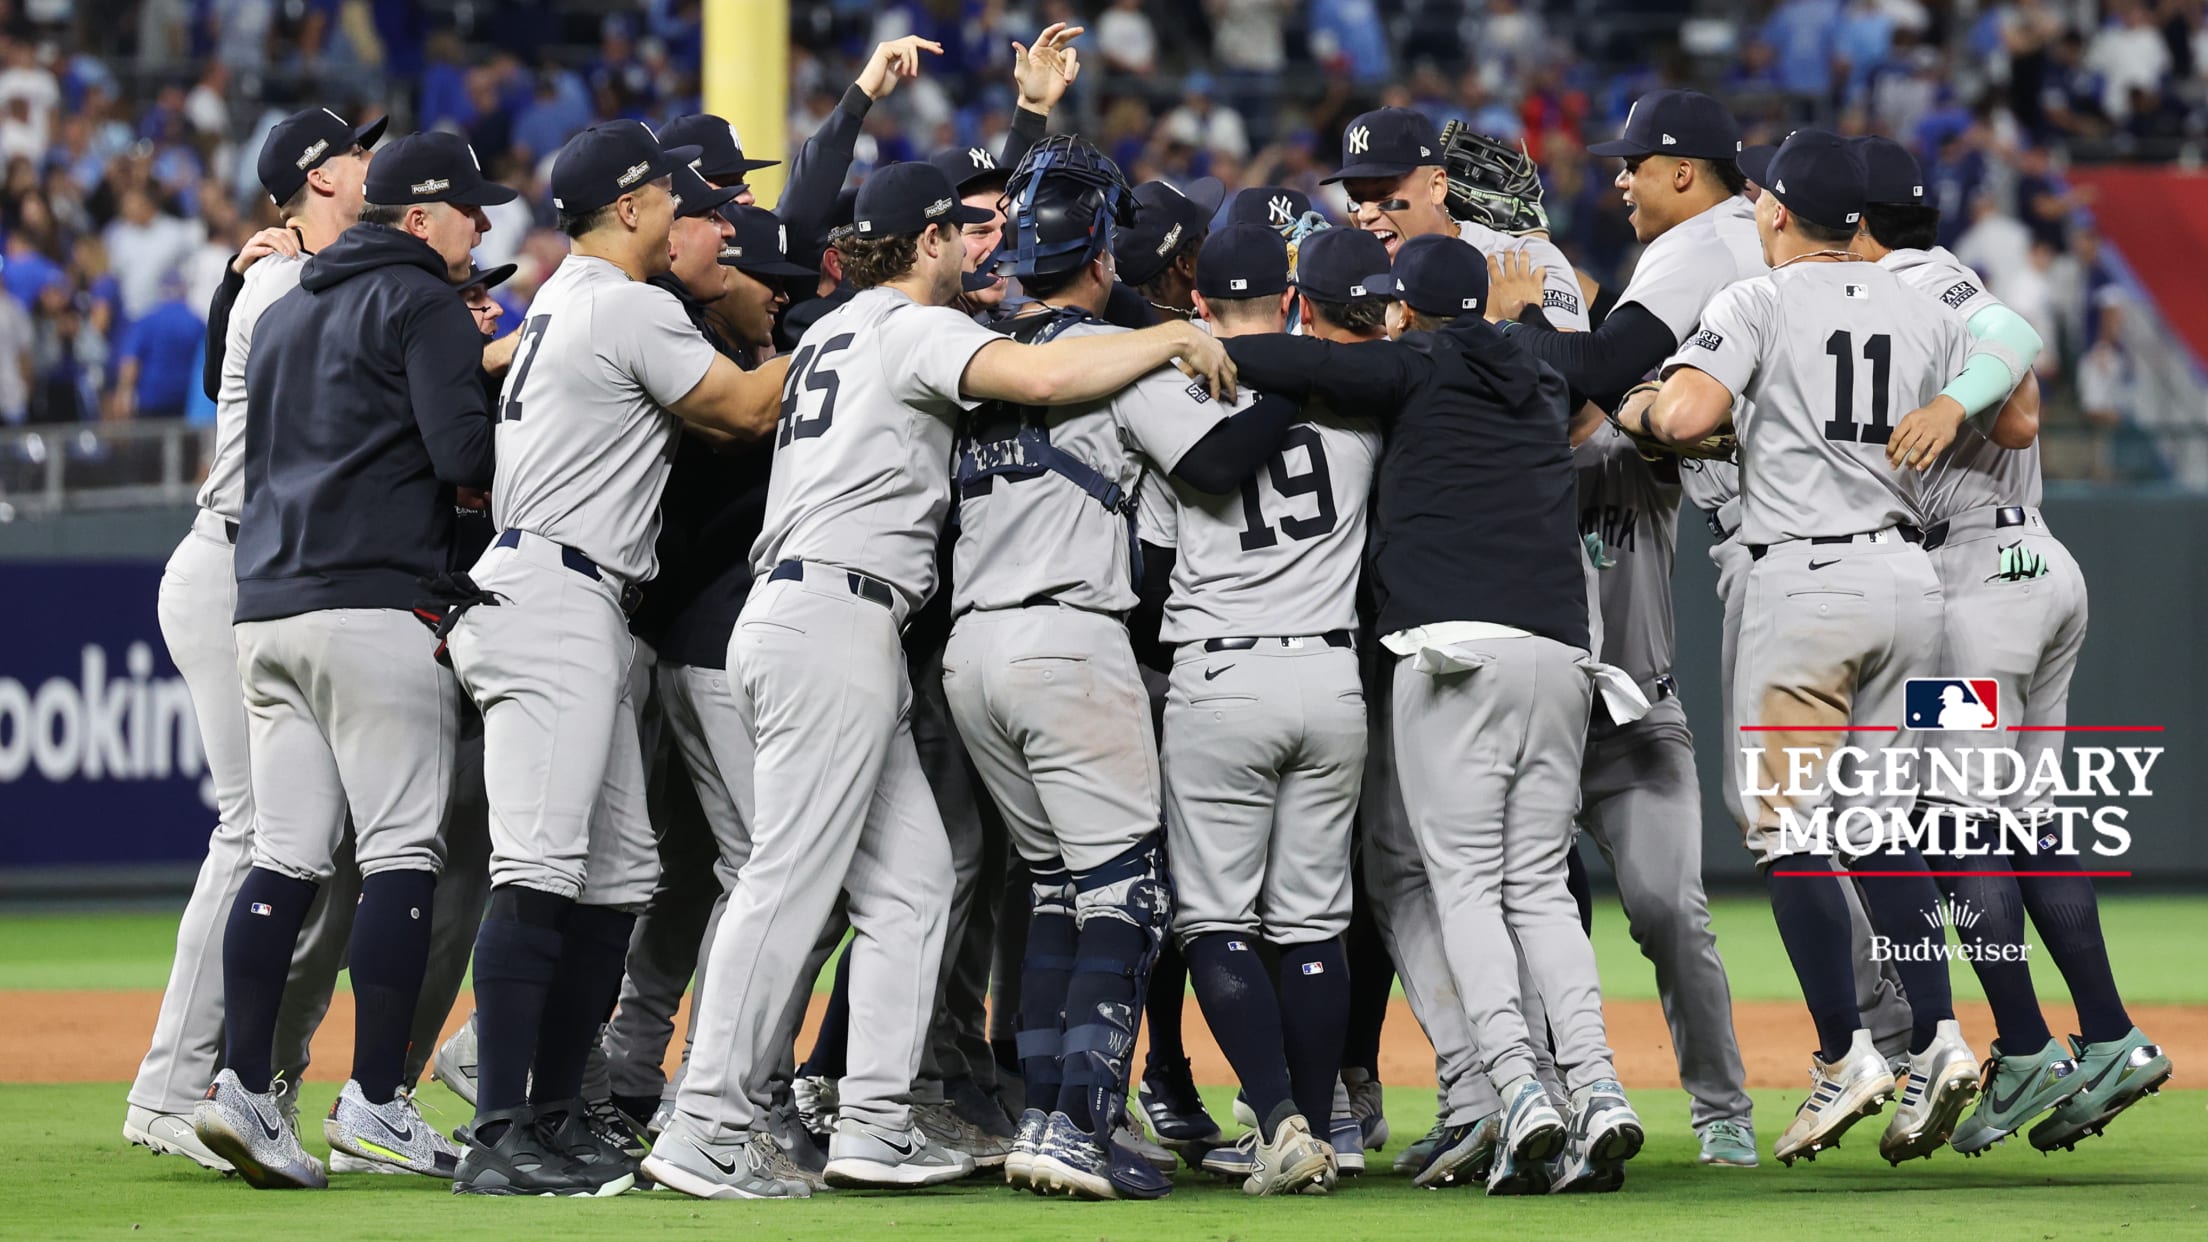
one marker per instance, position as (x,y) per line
(1492,182)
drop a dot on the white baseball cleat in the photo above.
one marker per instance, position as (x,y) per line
(455,1063)
(1841,1094)
(170,1134)
(1942,1081)
(871,1157)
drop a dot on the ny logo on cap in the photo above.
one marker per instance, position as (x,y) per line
(1359,139)
(782,238)
(981,158)
(313,153)
(1238,284)
(1280,210)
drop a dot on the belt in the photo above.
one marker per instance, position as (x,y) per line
(2005,516)
(573,558)
(871,589)
(1332,638)
(1908,533)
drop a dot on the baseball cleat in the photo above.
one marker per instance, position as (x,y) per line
(1129,1137)
(1604,1134)
(1347,1138)
(870,1157)
(584,1135)
(979,1108)
(1414,1157)
(1368,1103)
(2117,1074)
(2013,1090)
(752,1169)
(1026,1138)
(1175,1111)
(1457,1155)
(946,1129)
(342,1161)
(662,1117)
(170,1134)
(1294,1162)
(257,1134)
(1942,1080)
(796,1142)
(1078,1163)
(1729,1145)
(1244,1115)
(455,1063)
(1841,1094)
(816,1105)
(1532,1135)
(391,1134)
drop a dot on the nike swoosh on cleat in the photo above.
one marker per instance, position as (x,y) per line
(729,1169)
(273,1132)
(404,1136)
(902,1149)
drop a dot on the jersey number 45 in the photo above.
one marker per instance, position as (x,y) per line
(809,375)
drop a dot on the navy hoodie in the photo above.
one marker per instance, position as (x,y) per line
(363,411)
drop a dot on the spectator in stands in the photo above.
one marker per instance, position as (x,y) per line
(1862,40)
(444,100)
(1126,39)
(1996,243)
(18,359)
(1349,38)
(2128,52)
(1801,32)
(143,246)
(69,356)
(1204,123)
(158,361)
(30,84)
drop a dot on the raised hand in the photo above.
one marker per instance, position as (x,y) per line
(895,61)
(1044,71)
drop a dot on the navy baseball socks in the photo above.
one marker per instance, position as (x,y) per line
(1314,1013)
(517,959)
(257,944)
(1244,1013)
(1812,915)
(389,954)
(594,947)
(2068,917)
(1993,928)
(832,1043)
(1905,910)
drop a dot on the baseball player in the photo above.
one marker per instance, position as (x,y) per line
(345,714)
(312,165)
(1156,251)
(2016,610)
(1041,676)
(1839,597)
(608,370)
(1399,189)
(1490,714)
(848,550)
(1264,739)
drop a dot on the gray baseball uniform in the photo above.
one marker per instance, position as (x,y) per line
(1265,722)
(1640,798)
(1038,672)
(1838,602)
(584,442)
(2016,601)
(854,508)
(1562,300)
(1680,271)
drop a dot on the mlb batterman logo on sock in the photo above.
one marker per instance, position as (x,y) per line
(1955,704)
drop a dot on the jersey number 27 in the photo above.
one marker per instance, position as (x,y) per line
(1314,482)
(809,374)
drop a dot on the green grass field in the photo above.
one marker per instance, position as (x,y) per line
(2150,940)
(65,1173)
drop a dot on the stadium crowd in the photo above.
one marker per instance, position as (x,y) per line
(122,123)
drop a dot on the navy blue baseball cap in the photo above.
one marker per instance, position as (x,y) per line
(1688,124)
(302,141)
(694,196)
(971,169)
(431,167)
(488,277)
(761,246)
(1819,175)
(1165,216)
(1894,179)
(1332,264)
(1274,206)
(608,160)
(1435,274)
(1242,261)
(721,152)
(906,199)
(1387,142)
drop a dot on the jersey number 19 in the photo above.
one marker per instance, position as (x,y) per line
(1313,482)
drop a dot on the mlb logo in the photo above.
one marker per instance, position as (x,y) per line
(1314,968)
(263,909)
(1971,704)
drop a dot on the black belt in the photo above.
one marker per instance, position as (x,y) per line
(575,559)
(1908,533)
(230,529)
(2007,515)
(1332,638)
(873,589)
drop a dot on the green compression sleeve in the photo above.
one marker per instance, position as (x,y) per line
(2005,350)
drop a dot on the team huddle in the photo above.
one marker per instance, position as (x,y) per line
(1064,605)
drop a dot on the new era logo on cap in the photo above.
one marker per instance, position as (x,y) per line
(1670,141)
(1970,704)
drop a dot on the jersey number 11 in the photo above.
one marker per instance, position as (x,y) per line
(1880,350)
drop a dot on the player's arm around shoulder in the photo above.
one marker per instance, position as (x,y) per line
(732,403)
(1074,369)
(1713,365)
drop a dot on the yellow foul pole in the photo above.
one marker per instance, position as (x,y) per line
(747,80)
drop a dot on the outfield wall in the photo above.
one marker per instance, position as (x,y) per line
(113,797)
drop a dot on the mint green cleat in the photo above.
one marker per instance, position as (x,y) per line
(1729,1144)
(2017,1089)
(2117,1074)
